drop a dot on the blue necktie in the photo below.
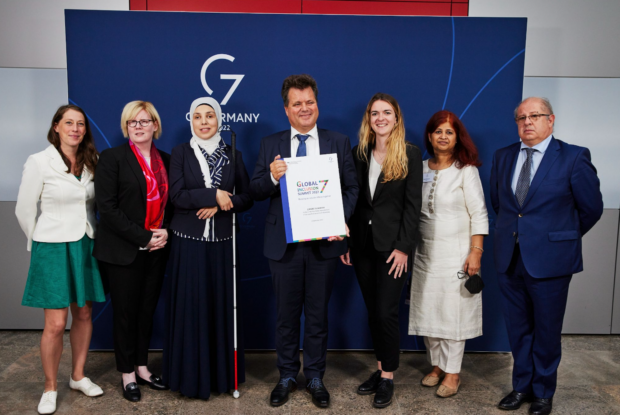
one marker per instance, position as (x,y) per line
(523,184)
(301,150)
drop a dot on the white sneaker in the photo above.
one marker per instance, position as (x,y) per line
(48,403)
(86,386)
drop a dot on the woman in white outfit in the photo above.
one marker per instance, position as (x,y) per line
(453,224)
(63,274)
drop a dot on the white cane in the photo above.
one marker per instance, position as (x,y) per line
(234,260)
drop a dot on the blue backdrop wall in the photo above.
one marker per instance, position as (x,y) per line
(471,66)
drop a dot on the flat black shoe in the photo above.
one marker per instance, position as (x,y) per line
(131,392)
(370,386)
(514,400)
(154,382)
(541,406)
(385,392)
(320,396)
(279,394)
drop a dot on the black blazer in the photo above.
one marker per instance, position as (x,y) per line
(120,193)
(261,188)
(189,194)
(394,209)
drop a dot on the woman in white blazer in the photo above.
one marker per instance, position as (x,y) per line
(63,274)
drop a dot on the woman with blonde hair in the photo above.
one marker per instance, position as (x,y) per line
(63,274)
(383,230)
(134,209)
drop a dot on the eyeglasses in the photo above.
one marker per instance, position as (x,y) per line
(143,123)
(533,118)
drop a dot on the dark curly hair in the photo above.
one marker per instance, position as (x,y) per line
(301,82)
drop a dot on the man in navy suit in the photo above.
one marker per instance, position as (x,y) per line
(546,195)
(302,273)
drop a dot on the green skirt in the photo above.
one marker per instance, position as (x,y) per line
(63,273)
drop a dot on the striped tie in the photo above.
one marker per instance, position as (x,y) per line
(523,184)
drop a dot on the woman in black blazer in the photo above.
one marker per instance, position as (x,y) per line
(198,349)
(131,191)
(383,230)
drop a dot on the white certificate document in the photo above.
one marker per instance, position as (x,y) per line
(312,198)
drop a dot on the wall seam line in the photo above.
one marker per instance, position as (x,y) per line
(613,295)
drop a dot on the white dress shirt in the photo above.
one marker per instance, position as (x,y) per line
(312,145)
(537,157)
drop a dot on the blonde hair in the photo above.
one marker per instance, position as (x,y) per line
(395,165)
(133,108)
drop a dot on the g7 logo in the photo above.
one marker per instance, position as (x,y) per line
(237,78)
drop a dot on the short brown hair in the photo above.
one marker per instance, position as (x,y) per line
(300,82)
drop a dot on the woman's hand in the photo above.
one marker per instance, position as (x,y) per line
(472,263)
(339,238)
(207,213)
(399,264)
(158,240)
(346,258)
(223,199)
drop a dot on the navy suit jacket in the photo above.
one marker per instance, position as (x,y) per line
(261,188)
(189,194)
(563,203)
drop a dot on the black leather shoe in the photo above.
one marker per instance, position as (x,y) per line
(279,394)
(154,382)
(514,400)
(320,396)
(541,406)
(384,394)
(370,386)
(131,392)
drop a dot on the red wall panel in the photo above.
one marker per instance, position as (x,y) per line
(376,8)
(407,1)
(368,7)
(137,5)
(460,9)
(230,6)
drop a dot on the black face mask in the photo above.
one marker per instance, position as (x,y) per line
(474,283)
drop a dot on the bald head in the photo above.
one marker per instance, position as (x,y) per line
(544,102)
(535,119)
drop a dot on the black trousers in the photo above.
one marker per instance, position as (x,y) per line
(302,279)
(381,294)
(134,291)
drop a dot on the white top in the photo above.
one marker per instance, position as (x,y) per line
(373,175)
(312,145)
(67,204)
(453,209)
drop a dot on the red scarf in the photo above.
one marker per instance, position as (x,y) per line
(156,186)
